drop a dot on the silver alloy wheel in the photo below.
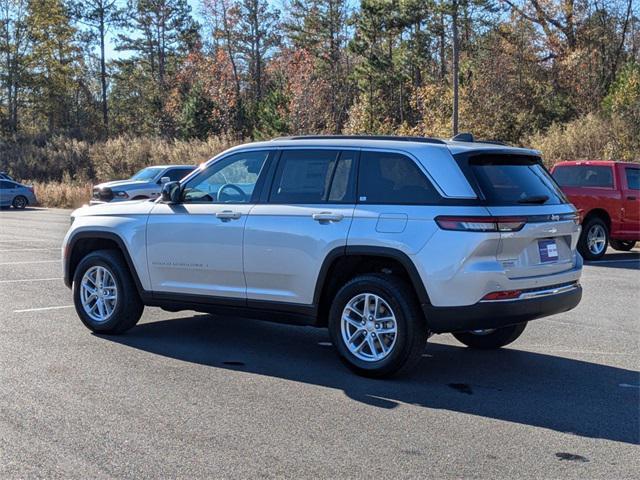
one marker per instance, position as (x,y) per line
(369,327)
(596,239)
(98,293)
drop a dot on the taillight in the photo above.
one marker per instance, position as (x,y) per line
(482,224)
(504,295)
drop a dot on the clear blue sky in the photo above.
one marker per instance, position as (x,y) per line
(196,7)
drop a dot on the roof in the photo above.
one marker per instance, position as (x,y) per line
(594,162)
(387,142)
(172,166)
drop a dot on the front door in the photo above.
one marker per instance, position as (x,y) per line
(307,214)
(195,246)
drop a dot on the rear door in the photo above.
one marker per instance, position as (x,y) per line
(7,192)
(306,214)
(631,201)
(519,188)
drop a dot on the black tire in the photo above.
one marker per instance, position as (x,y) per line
(411,336)
(497,338)
(583,246)
(622,245)
(129,307)
(19,202)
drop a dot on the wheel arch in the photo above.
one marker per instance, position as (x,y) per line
(600,213)
(343,263)
(85,242)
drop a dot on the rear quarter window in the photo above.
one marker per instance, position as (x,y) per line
(584,176)
(392,178)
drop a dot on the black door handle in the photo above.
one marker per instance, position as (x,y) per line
(631,198)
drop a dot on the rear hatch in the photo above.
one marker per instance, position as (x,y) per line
(517,189)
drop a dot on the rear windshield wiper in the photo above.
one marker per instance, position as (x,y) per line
(539,199)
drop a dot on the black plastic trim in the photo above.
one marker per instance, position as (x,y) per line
(98,234)
(498,314)
(280,312)
(385,252)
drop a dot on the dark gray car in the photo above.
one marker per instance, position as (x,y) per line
(16,195)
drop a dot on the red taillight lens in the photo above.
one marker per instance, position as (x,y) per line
(482,224)
(504,295)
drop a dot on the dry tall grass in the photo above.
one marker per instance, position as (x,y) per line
(62,194)
(61,158)
(63,169)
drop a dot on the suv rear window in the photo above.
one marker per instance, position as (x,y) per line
(514,180)
(584,176)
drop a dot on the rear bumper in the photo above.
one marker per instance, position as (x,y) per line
(498,314)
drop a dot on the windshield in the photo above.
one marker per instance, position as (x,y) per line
(147,173)
(514,180)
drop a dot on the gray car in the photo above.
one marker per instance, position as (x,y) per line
(16,195)
(145,184)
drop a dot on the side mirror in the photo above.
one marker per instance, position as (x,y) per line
(171,192)
(164,180)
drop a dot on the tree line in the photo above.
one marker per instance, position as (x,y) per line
(524,72)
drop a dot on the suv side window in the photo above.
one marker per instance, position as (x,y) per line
(393,178)
(176,174)
(229,180)
(633,178)
(305,176)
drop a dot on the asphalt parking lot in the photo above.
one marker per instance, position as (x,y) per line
(194,396)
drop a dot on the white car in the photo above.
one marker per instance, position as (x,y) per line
(145,184)
(384,240)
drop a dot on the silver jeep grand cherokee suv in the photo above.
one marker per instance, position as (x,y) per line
(384,240)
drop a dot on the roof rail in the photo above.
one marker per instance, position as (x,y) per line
(468,137)
(364,137)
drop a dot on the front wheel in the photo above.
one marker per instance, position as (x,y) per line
(492,338)
(104,293)
(593,239)
(377,326)
(622,245)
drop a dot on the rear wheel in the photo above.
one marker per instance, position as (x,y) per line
(20,202)
(104,293)
(377,326)
(593,239)
(491,338)
(622,245)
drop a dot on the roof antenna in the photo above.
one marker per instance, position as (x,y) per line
(462,137)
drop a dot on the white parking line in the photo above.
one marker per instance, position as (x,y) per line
(29,249)
(31,280)
(33,261)
(42,308)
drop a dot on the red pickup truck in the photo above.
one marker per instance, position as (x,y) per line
(607,194)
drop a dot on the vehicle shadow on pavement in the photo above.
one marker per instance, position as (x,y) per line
(547,391)
(628,260)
